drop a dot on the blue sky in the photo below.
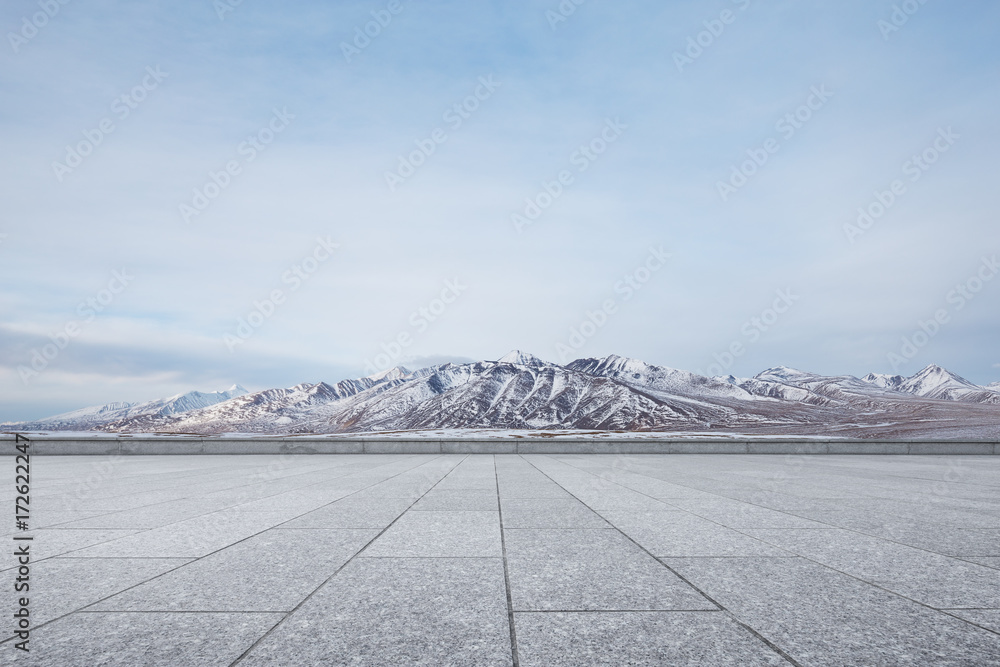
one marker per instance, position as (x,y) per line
(661,137)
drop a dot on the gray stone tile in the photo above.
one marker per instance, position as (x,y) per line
(273,571)
(825,618)
(893,521)
(353,512)
(148,516)
(740,515)
(541,489)
(941,538)
(458,499)
(549,513)
(50,542)
(469,534)
(480,476)
(57,518)
(613,500)
(130,639)
(59,586)
(638,639)
(935,580)
(658,488)
(986,618)
(677,533)
(191,538)
(568,570)
(409,611)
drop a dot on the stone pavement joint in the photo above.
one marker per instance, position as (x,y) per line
(513,560)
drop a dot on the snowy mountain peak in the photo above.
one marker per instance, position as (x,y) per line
(623,364)
(933,381)
(936,382)
(395,373)
(519,358)
(884,381)
(612,393)
(780,373)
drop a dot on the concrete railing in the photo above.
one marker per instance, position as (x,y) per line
(139,445)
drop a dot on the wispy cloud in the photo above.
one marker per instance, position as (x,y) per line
(324,174)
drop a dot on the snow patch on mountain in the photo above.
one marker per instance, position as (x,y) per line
(519,358)
(613,393)
(96,416)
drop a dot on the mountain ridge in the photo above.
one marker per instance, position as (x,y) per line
(522,391)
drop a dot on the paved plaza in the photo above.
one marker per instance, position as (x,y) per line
(531,560)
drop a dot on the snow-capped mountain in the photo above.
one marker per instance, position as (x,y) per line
(884,381)
(522,391)
(263,411)
(519,358)
(658,379)
(92,417)
(936,382)
(790,384)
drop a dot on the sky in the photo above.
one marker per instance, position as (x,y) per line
(199,193)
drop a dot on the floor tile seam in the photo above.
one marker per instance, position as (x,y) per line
(680,509)
(231,473)
(180,611)
(973,623)
(624,486)
(858,532)
(74,611)
(174,500)
(229,507)
(190,561)
(512,628)
(4,640)
(350,560)
(431,557)
(872,584)
(774,647)
(832,526)
(619,611)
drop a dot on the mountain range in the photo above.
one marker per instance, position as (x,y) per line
(520,391)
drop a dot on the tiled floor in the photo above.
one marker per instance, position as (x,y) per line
(499,560)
